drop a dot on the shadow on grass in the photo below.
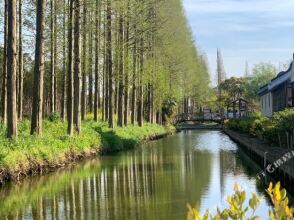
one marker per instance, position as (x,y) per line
(111,142)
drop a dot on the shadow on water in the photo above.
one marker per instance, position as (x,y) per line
(155,181)
(252,169)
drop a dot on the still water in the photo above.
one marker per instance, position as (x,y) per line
(155,181)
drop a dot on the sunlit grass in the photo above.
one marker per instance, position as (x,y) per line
(55,148)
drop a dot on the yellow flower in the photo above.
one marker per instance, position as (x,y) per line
(277,192)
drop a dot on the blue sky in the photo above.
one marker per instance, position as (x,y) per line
(245,30)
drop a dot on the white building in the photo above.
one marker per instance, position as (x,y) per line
(277,94)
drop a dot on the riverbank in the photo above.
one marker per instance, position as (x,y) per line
(156,176)
(257,148)
(30,155)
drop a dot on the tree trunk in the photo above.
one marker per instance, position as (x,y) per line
(105,71)
(4,77)
(11,71)
(109,63)
(90,102)
(52,62)
(97,47)
(20,64)
(103,86)
(126,71)
(116,63)
(70,72)
(84,77)
(148,116)
(140,95)
(152,105)
(120,106)
(37,108)
(77,78)
(63,98)
(134,92)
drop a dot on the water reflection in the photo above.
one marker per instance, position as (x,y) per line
(153,182)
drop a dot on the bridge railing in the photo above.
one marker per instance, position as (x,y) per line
(199,117)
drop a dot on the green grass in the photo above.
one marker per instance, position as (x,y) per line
(55,148)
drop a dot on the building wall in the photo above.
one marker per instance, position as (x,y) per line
(280,98)
(266,103)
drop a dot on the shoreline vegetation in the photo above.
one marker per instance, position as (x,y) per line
(277,130)
(121,62)
(32,155)
(239,208)
(267,139)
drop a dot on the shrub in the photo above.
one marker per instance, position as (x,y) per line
(246,125)
(54,117)
(237,210)
(278,129)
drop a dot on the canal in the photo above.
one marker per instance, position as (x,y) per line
(155,181)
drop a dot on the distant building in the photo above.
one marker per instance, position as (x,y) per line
(278,94)
(237,108)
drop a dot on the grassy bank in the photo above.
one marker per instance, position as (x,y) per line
(29,155)
(278,129)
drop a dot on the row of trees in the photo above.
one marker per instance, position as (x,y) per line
(121,58)
(246,87)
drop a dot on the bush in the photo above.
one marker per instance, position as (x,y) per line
(278,129)
(53,117)
(237,210)
(244,125)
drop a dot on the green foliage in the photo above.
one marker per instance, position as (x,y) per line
(262,74)
(54,117)
(233,87)
(281,203)
(249,125)
(182,69)
(237,210)
(278,129)
(55,147)
(128,137)
(168,109)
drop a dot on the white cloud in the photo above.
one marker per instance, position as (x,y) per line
(246,30)
(235,6)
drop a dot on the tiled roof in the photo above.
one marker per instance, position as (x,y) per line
(281,78)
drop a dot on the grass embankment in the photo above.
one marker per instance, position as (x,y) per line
(278,129)
(29,155)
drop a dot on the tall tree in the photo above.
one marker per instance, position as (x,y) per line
(105,71)
(70,89)
(140,82)
(53,58)
(126,67)
(4,75)
(120,73)
(63,95)
(84,63)
(134,88)
(90,64)
(37,106)
(11,71)
(77,78)
(20,62)
(109,63)
(97,48)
